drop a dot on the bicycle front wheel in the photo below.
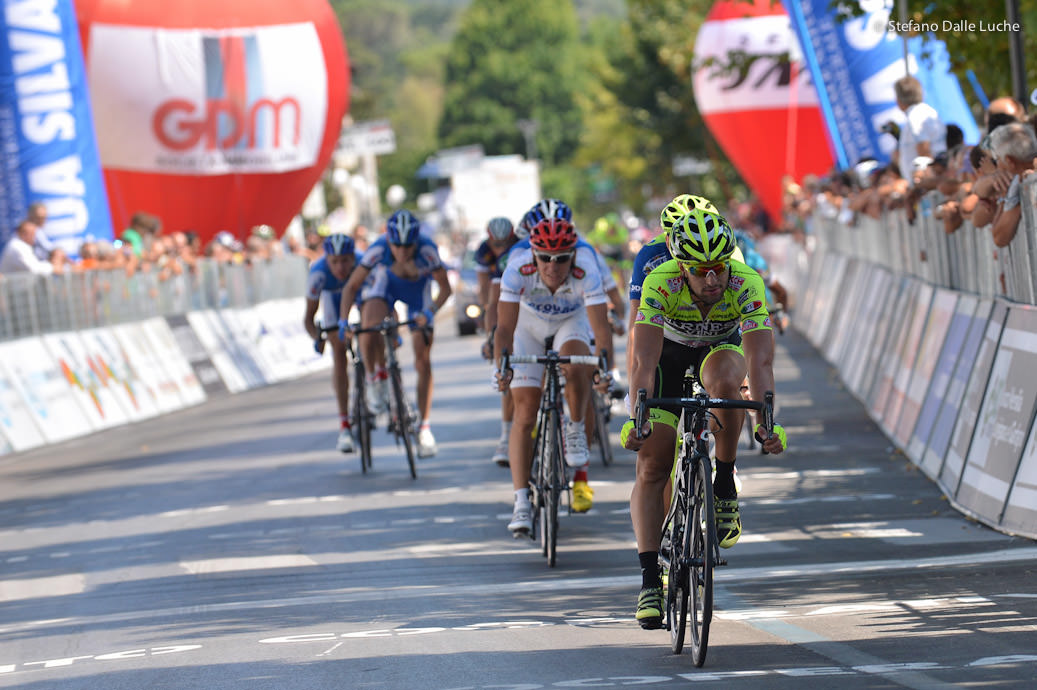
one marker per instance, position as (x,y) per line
(678,579)
(551,485)
(403,426)
(703,545)
(361,420)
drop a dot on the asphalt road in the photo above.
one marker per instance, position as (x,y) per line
(229,546)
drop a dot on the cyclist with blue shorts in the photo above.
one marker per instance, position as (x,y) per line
(328,275)
(399,266)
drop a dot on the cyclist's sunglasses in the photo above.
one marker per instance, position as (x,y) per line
(553,258)
(703,270)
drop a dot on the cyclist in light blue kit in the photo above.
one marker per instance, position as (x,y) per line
(328,275)
(399,266)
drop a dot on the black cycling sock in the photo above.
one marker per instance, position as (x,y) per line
(724,481)
(650,576)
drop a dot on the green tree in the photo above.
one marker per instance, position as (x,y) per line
(513,61)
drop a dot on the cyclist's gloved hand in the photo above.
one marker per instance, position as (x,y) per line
(777,433)
(428,314)
(628,439)
(343,328)
(318,346)
(501,380)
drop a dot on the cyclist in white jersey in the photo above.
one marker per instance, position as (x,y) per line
(553,289)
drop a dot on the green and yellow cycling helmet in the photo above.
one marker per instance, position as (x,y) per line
(682,205)
(701,237)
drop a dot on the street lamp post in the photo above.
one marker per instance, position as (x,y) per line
(529,129)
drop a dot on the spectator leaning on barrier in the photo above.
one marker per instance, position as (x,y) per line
(19,255)
(1015,147)
(37,213)
(980,206)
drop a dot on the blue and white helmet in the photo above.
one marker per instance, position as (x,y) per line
(339,244)
(403,228)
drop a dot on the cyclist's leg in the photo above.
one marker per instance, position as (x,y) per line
(530,333)
(339,371)
(721,374)
(573,337)
(374,307)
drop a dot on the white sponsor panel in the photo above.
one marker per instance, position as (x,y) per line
(158,385)
(216,341)
(1004,418)
(251,333)
(103,354)
(975,390)
(907,360)
(1021,512)
(271,119)
(240,347)
(19,429)
(86,383)
(179,368)
(278,338)
(850,288)
(869,328)
(45,390)
(887,350)
(143,403)
(964,307)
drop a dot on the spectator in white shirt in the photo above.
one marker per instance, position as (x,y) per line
(924,134)
(43,245)
(19,256)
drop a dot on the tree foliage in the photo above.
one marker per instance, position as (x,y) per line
(513,61)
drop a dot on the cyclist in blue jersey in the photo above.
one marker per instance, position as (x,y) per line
(399,266)
(328,275)
(776,294)
(490,259)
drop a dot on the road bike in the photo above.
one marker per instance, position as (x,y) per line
(549,475)
(403,417)
(361,419)
(690,548)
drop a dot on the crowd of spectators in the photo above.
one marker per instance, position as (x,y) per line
(978,183)
(145,247)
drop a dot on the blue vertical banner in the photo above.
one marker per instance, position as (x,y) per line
(854,63)
(48,150)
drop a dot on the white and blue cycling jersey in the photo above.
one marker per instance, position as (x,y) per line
(383,283)
(608,281)
(521,283)
(321,283)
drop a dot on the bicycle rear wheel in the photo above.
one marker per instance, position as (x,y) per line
(678,580)
(601,427)
(403,426)
(703,543)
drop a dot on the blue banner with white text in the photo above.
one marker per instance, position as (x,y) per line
(854,64)
(48,151)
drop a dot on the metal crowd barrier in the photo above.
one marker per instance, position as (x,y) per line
(30,304)
(965,260)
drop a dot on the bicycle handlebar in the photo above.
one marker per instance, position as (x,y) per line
(702,402)
(386,325)
(589,360)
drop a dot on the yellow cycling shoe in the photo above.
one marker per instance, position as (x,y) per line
(583,497)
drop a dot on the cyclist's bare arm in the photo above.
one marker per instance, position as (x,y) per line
(352,287)
(307,320)
(441,277)
(483,279)
(599,318)
(648,347)
(507,318)
(490,319)
(758,347)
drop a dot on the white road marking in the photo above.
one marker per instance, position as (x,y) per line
(229,565)
(32,588)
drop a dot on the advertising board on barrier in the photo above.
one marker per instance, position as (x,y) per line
(18,428)
(220,346)
(1020,513)
(45,389)
(913,371)
(158,387)
(1004,418)
(89,386)
(103,355)
(962,309)
(888,356)
(869,328)
(975,391)
(140,403)
(197,357)
(164,345)
(850,289)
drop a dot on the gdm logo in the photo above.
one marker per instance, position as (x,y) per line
(224,124)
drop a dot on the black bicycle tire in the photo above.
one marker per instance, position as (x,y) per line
(601,429)
(536,483)
(403,421)
(703,553)
(360,420)
(552,444)
(677,591)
